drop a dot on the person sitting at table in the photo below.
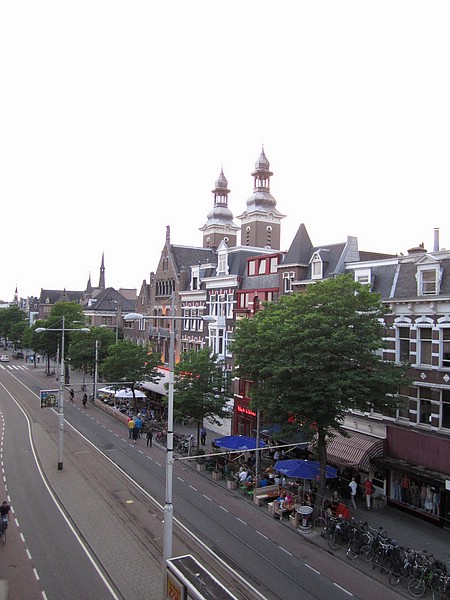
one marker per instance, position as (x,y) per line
(243,476)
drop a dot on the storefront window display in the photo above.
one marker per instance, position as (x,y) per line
(415,493)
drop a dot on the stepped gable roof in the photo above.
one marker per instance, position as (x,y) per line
(187,256)
(300,249)
(54,296)
(109,299)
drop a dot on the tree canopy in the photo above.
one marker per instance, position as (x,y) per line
(314,356)
(201,387)
(129,363)
(13,322)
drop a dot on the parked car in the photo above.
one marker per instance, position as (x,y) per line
(17,354)
(4,358)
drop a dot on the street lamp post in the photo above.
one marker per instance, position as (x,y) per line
(61,388)
(168,506)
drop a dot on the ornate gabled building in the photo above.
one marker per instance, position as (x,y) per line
(414,471)
(177,271)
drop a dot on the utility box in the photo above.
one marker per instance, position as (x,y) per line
(186,579)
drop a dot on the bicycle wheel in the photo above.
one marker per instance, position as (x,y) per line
(416,587)
(394,578)
(353,550)
(4,534)
(319,524)
(366,553)
(335,542)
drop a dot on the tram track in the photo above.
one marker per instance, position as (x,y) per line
(143,504)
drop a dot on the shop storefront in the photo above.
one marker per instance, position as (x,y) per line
(418,474)
(417,490)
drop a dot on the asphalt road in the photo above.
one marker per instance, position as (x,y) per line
(274,559)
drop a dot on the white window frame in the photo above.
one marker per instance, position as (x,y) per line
(427,285)
(288,279)
(316,267)
(230,303)
(422,344)
(444,343)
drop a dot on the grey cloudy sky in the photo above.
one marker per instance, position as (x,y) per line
(116,117)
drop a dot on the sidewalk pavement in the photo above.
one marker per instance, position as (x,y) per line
(409,530)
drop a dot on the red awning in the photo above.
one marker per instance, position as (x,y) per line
(356,450)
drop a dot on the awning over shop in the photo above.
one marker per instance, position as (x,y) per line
(158,387)
(401,466)
(356,450)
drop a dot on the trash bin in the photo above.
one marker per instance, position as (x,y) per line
(305,512)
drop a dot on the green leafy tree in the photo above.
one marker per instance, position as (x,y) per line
(82,348)
(128,363)
(314,356)
(48,343)
(13,322)
(200,387)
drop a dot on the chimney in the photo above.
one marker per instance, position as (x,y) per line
(436,240)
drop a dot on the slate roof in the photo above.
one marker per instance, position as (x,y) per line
(259,282)
(55,296)
(187,256)
(299,252)
(108,300)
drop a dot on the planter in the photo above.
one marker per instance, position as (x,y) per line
(231,484)
(217,475)
(201,466)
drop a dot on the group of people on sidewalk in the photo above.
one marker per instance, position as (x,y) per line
(368,492)
(135,430)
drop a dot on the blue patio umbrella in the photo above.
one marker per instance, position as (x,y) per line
(303,469)
(238,442)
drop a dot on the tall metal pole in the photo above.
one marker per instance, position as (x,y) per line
(61,403)
(168,506)
(94,391)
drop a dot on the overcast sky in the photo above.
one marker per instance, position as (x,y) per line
(116,118)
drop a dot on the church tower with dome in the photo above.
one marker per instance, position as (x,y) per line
(261,221)
(219,225)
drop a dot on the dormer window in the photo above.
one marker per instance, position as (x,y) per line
(363,276)
(195,278)
(222,259)
(428,280)
(222,266)
(316,267)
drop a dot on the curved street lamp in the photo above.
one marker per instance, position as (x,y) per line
(61,393)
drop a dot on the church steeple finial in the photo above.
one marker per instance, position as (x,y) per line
(219,225)
(101,281)
(261,219)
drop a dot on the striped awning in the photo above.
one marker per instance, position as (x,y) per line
(356,450)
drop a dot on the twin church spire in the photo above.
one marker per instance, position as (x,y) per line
(260,226)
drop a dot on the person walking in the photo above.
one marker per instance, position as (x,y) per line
(135,434)
(71,394)
(203,436)
(368,491)
(130,427)
(150,438)
(353,489)
(138,425)
(84,400)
